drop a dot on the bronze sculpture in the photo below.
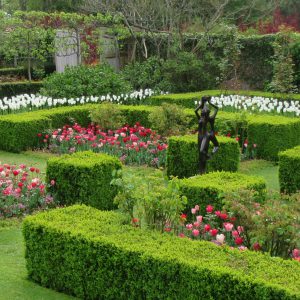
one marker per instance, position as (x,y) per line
(205,135)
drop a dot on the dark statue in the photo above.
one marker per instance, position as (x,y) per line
(205,134)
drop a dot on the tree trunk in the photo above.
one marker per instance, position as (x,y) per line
(29,68)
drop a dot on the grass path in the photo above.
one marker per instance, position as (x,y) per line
(13,282)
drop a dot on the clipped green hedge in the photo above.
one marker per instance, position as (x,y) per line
(273,134)
(183,156)
(92,254)
(19,132)
(259,126)
(209,188)
(289,170)
(9,89)
(188,99)
(83,177)
(12,71)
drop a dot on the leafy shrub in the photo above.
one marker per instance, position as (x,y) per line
(146,74)
(108,116)
(83,177)
(96,247)
(169,119)
(273,226)
(187,73)
(209,188)
(85,81)
(289,166)
(183,156)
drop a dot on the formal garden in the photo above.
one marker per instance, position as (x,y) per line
(171,173)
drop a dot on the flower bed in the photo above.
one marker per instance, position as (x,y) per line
(22,191)
(133,145)
(27,102)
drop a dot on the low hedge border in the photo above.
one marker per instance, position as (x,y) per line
(83,177)
(263,130)
(9,89)
(183,156)
(92,254)
(19,132)
(18,71)
(209,188)
(289,166)
(188,99)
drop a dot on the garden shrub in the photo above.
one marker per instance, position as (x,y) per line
(9,89)
(83,177)
(211,187)
(19,132)
(272,134)
(289,166)
(183,156)
(85,81)
(169,119)
(108,116)
(97,248)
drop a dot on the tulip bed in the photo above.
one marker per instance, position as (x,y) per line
(133,145)
(22,191)
(80,250)
(209,188)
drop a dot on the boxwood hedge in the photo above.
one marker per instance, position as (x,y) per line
(19,132)
(83,177)
(259,126)
(92,254)
(289,166)
(183,156)
(209,188)
(8,89)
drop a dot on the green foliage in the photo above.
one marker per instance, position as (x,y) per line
(274,225)
(289,166)
(57,5)
(146,74)
(210,188)
(183,156)
(185,72)
(83,177)
(96,248)
(169,119)
(283,65)
(108,116)
(18,71)
(8,89)
(19,132)
(153,202)
(85,81)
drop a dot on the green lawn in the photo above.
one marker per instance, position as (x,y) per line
(13,282)
(263,168)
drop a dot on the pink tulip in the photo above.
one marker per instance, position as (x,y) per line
(228,226)
(199,219)
(220,238)
(195,232)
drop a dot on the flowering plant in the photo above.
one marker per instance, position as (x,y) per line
(216,226)
(257,104)
(26,102)
(22,191)
(133,145)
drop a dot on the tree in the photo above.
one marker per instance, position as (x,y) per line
(26,40)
